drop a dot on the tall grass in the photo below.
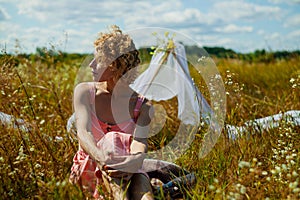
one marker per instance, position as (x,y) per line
(265,165)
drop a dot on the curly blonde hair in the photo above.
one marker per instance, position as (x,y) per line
(117,51)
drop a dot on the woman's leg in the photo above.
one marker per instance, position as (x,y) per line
(117,188)
(140,188)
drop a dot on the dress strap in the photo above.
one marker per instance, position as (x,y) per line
(92,93)
(138,106)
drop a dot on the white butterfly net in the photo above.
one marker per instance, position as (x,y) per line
(168,76)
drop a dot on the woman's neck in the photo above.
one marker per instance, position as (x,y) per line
(119,89)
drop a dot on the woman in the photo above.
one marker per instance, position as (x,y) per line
(112,123)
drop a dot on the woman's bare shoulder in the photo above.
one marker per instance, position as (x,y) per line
(83,88)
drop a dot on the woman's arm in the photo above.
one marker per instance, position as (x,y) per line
(140,136)
(83,119)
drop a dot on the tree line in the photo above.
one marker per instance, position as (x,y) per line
(42,53)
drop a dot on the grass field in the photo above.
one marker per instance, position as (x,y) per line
(265,165)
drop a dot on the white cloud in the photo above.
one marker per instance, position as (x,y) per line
(273,36)
(285,1)
(293,21)
(237,10)
(261,32)
(156,13)
(294,34)
(232,28)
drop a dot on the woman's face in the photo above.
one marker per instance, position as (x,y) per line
(100,72)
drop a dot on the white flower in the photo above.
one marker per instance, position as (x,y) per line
(293,185)
(296,190)
(292,162)
(37,165)
(216,180)
(211,187)
(294,173)
(264,173)
(292,80)
(277,168)
(59,138)
(243,190)
(243,164)
(284,167)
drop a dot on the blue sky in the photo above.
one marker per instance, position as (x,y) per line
(242,25)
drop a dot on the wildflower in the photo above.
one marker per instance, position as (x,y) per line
(42,122)
(37,165)
(292,162)
(202,58)
(59,138)
(64,183)
(216,180)
(284,167)
(218,191)
(292,80)
(217,76)
(293,185)
(277,168)
(243,190)
(294,173)
(243,164)
(264,173)
(211,187)
(288,157)
(296,190)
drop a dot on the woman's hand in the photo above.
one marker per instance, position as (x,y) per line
(127,163)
